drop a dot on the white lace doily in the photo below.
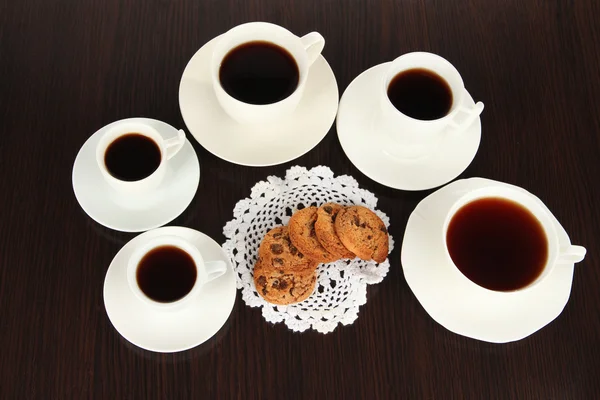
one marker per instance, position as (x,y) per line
(341,286)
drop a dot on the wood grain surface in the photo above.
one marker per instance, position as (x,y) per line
(68,67)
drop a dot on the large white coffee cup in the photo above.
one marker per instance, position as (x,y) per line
(304,50)
(557,255)
(168,149)
(411,138)
(206,271)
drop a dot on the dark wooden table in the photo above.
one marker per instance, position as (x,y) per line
(68,67)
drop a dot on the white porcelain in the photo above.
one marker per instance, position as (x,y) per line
(168,148)
(413,138)
(370,151)
(173,330)
(260,144)
(206,271)
(304,50)
(557,254)
(462,306)
(135,212)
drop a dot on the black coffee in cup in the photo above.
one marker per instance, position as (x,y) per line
(497,243)
(420,94)
(166,274)
(132,157)
(259,72)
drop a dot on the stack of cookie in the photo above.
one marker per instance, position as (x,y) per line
(286,269)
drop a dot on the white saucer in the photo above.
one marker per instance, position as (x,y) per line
(366,149)
(161,331)
(491,317)
(132,213)
(262,144)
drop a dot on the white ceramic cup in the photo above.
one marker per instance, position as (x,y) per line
(411,138)
(168,149)
(304,50)
(556,254)
(206,271)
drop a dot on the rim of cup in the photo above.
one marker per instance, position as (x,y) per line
(527,201)
(415,60)
(222,48)
(125,129)
(143,249)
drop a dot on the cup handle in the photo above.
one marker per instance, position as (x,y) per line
(214,269)
(471,112)
(173,145)
(313,44)
(571,255)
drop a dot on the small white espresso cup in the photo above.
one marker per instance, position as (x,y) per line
(168,148)
(304,50)
(206,271)
(557,254)
(411,138)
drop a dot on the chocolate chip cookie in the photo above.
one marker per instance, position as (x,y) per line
(325,230)
(278,252)
(363,233)
(281,287)
(304,237)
